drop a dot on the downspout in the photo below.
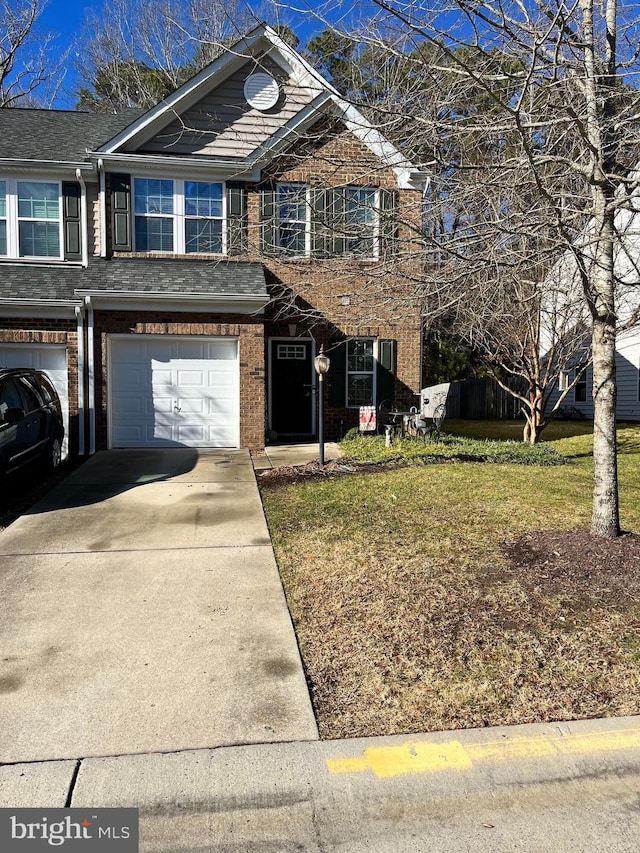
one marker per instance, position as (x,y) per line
(103,210)
(81,412)
(91,380)
(83,218)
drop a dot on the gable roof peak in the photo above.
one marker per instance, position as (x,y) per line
(259,44)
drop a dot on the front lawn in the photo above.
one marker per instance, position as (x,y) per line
(423,600)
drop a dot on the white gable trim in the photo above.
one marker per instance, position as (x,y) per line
(266,39)
(185,96)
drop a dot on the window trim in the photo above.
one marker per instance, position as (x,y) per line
(179,216)
(373,372)
(13,220)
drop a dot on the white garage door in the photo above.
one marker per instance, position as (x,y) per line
(169,391)
(50,358)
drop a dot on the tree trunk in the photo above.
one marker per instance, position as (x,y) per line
(605,519)
(600,92)
(534,418)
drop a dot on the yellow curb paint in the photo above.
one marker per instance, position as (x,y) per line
(424,757)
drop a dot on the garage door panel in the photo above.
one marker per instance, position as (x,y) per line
(161,406)
(131,433)
(193,378)
(132,406)
(187,392)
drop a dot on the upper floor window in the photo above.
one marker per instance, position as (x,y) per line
(182,217)
(30,219)
(300,221)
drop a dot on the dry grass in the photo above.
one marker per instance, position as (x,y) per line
(413,614)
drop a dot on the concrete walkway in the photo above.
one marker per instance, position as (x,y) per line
(277,455)
(143,612)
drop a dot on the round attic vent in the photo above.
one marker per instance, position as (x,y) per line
(261,91)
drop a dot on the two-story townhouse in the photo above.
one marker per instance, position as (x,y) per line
(176,270)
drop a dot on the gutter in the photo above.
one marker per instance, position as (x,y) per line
(218,169)
(81,412)
(53,164)
(38,307)
(91,379)
(114,300)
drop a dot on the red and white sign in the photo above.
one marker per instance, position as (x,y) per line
(367,418)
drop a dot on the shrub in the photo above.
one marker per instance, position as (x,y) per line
(370,448)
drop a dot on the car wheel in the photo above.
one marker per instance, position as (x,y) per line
(55,453)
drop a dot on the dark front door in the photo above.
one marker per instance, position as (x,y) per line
(291,391)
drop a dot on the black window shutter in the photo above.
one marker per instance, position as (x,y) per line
(121,212)
(319,201)
(268,242)
(337,376)
(72,221)
(386,369)
(388,222)
(337,221)
(236,219)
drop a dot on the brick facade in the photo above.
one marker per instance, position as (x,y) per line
(327,299)
(335,298)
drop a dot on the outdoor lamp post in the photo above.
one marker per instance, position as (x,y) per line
(321,363)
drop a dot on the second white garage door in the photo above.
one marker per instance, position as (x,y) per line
(170,391)
(52,359)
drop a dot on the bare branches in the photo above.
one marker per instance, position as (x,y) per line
(135,52)
(27,62)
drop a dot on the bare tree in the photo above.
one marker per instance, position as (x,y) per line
(531,140)
(135,52)
(27,61)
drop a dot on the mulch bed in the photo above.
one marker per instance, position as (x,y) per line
(579,565)
(286,474)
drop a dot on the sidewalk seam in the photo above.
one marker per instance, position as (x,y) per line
(72,784)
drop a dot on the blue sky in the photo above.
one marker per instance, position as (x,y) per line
(66,18)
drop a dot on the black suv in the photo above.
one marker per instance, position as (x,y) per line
(30,419)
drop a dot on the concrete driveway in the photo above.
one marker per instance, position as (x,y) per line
(143,612)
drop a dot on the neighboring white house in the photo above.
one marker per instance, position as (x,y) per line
(627,269)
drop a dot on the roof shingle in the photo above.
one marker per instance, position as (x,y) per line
(165,276)
(58,135)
